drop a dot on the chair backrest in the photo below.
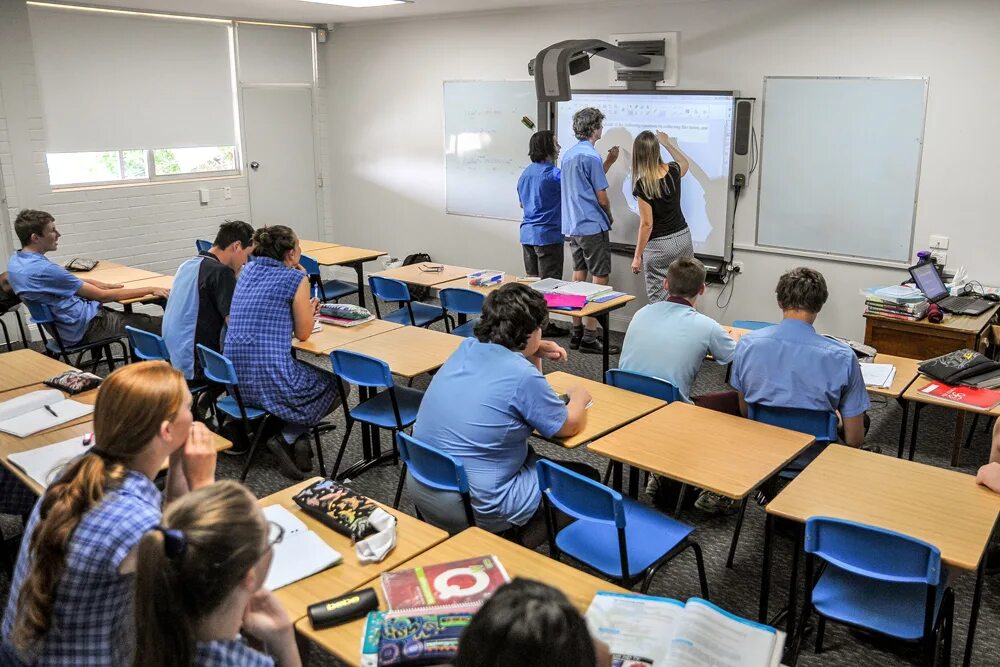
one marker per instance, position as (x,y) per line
(40,313)
(873,552)
(388,289)
(310,265)
(579,496)
(431,466)
(360,369)
(464,301)
(647,385)
(753,325)
(202,245)
(147,346)
(820,424)
(217,367)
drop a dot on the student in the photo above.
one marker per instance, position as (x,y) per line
(790,365)
(75,302)
(529,623)
(270,305)
(541,229)
(201,295)
(663,232)
(199,583)
(586,216)
(486,400)
(71,596)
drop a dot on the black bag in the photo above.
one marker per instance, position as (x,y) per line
(7,297)
(418,292)
(955,366)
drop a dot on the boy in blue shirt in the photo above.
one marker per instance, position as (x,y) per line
(586,216)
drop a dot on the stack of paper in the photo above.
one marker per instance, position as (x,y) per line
(878,375)
(44,463)
(300,554)
(39,410)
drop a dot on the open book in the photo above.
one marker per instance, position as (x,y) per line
(300,554)
(589,291)
(644,631)
(39,410)
(43,464)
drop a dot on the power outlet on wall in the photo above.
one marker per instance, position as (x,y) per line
(940,256)
(227,192)
(737,267)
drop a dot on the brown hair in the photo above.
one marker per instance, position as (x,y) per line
(131,405)
(802,288)
(206,543)
(685,276)
(29,222)
(646,163)
(274,242)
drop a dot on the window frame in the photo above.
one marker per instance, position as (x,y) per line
(151,177)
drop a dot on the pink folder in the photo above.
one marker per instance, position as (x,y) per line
(566,301)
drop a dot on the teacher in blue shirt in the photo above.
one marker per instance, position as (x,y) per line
(586,216)
(540,195)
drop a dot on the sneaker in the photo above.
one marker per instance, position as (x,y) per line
(553,330)
(281,452)
(596,347)
(713,503)
(302,453)
(653,485)
(574,340)
(874,449)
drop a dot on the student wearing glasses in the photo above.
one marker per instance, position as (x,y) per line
(200,585)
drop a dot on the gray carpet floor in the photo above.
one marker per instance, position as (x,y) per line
(737,589)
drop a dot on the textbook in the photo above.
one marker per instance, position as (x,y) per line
(464,582)
(300,554)
(590,291)
(646,631)
(878,375)
(979,399)
(44,464)
(39,410)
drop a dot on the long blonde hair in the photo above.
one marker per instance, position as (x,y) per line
(646,163)
(131,405)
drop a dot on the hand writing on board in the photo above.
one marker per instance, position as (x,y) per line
(612,155)
(663,137)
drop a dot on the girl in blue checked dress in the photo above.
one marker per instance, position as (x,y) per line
(199,583)
(71,596)
(270,305)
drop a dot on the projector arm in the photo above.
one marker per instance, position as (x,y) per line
(554,64)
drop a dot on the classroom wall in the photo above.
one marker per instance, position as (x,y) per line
(387,182)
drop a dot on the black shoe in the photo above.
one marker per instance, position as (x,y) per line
(596,347)
(232,432)
(553,330)
(280,451)
(302,453)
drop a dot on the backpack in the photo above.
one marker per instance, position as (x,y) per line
(418,292)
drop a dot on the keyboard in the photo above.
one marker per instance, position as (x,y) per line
(965,304)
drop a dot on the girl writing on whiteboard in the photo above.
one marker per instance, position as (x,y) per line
(663,232)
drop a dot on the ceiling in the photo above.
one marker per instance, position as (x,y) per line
(299,11)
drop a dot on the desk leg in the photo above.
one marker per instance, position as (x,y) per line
(361,284)
(680,499)
(905,405)
(956,445)
(977,594)
(604,319)
(633,482)
(616,475)
(793,585)
(765,572)
(917,409)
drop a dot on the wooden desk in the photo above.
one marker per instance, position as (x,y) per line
(924,339)
(332,336)
(165,282)
(345,255)
(344,641)
(942,507)
(906,372)
(114,273)
(736,332)
(921,400)
(88,397)
(21,368)
(412,537)
(414,276)
(409,351)
(612,408)
(308,247)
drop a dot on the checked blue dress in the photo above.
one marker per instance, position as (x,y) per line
(259,343)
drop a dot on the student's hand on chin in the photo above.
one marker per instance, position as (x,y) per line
(198,457)
(551,350)
(265,618)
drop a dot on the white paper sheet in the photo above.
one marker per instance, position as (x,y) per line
(878,375)
(40,419)
(300,554)
(44,463)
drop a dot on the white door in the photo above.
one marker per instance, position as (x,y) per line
(279,157)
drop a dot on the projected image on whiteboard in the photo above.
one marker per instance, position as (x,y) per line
(702,126)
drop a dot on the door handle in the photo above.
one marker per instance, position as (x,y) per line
(254,165)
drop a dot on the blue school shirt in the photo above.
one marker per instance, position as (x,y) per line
(790,365)
(582,178)
(231,653)
(36,278)
(670,340)
(540,195)
(481,407)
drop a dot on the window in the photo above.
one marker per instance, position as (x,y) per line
(109,167)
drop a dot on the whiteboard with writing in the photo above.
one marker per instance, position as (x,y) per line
(486,145)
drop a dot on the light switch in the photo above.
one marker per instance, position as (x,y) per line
(203,195)
(938,242)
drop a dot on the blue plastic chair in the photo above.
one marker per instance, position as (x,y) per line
(147,346)
(441,472)
(41,315)
(462,302)
(618,536)
(647,385)
(202,245)
(410,312)
(393,408)
(820,424)
(329,290)
(753,325)
(880,580)
(16,309)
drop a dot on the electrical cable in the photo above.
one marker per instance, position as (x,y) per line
(731,281)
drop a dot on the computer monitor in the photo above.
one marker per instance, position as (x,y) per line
(929,280)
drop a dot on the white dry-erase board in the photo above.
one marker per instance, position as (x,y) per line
(486,145)
(840,165)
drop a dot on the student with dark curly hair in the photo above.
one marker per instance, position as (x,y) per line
(487,399)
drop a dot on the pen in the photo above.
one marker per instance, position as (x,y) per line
(51,411)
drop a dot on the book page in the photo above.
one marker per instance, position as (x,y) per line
(281,516)
(44,463)
(65,410)
(547,284)
(877,375)
(298,556)
(29,402)
(708,636)
(636,628)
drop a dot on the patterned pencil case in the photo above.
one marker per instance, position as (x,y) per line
(81,264)
(73,382)
(338,507)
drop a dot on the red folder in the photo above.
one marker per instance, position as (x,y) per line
(981,399)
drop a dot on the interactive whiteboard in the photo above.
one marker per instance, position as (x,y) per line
(702,125)
(486,145)
(840,163)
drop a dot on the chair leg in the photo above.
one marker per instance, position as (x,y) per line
(6,335)
(736,532)
(399,487)
(319,451)
(820,631)
(699,559)
(20,327)
(395,451)
(253,446)
(607,473)
(110,357)
(343,448)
